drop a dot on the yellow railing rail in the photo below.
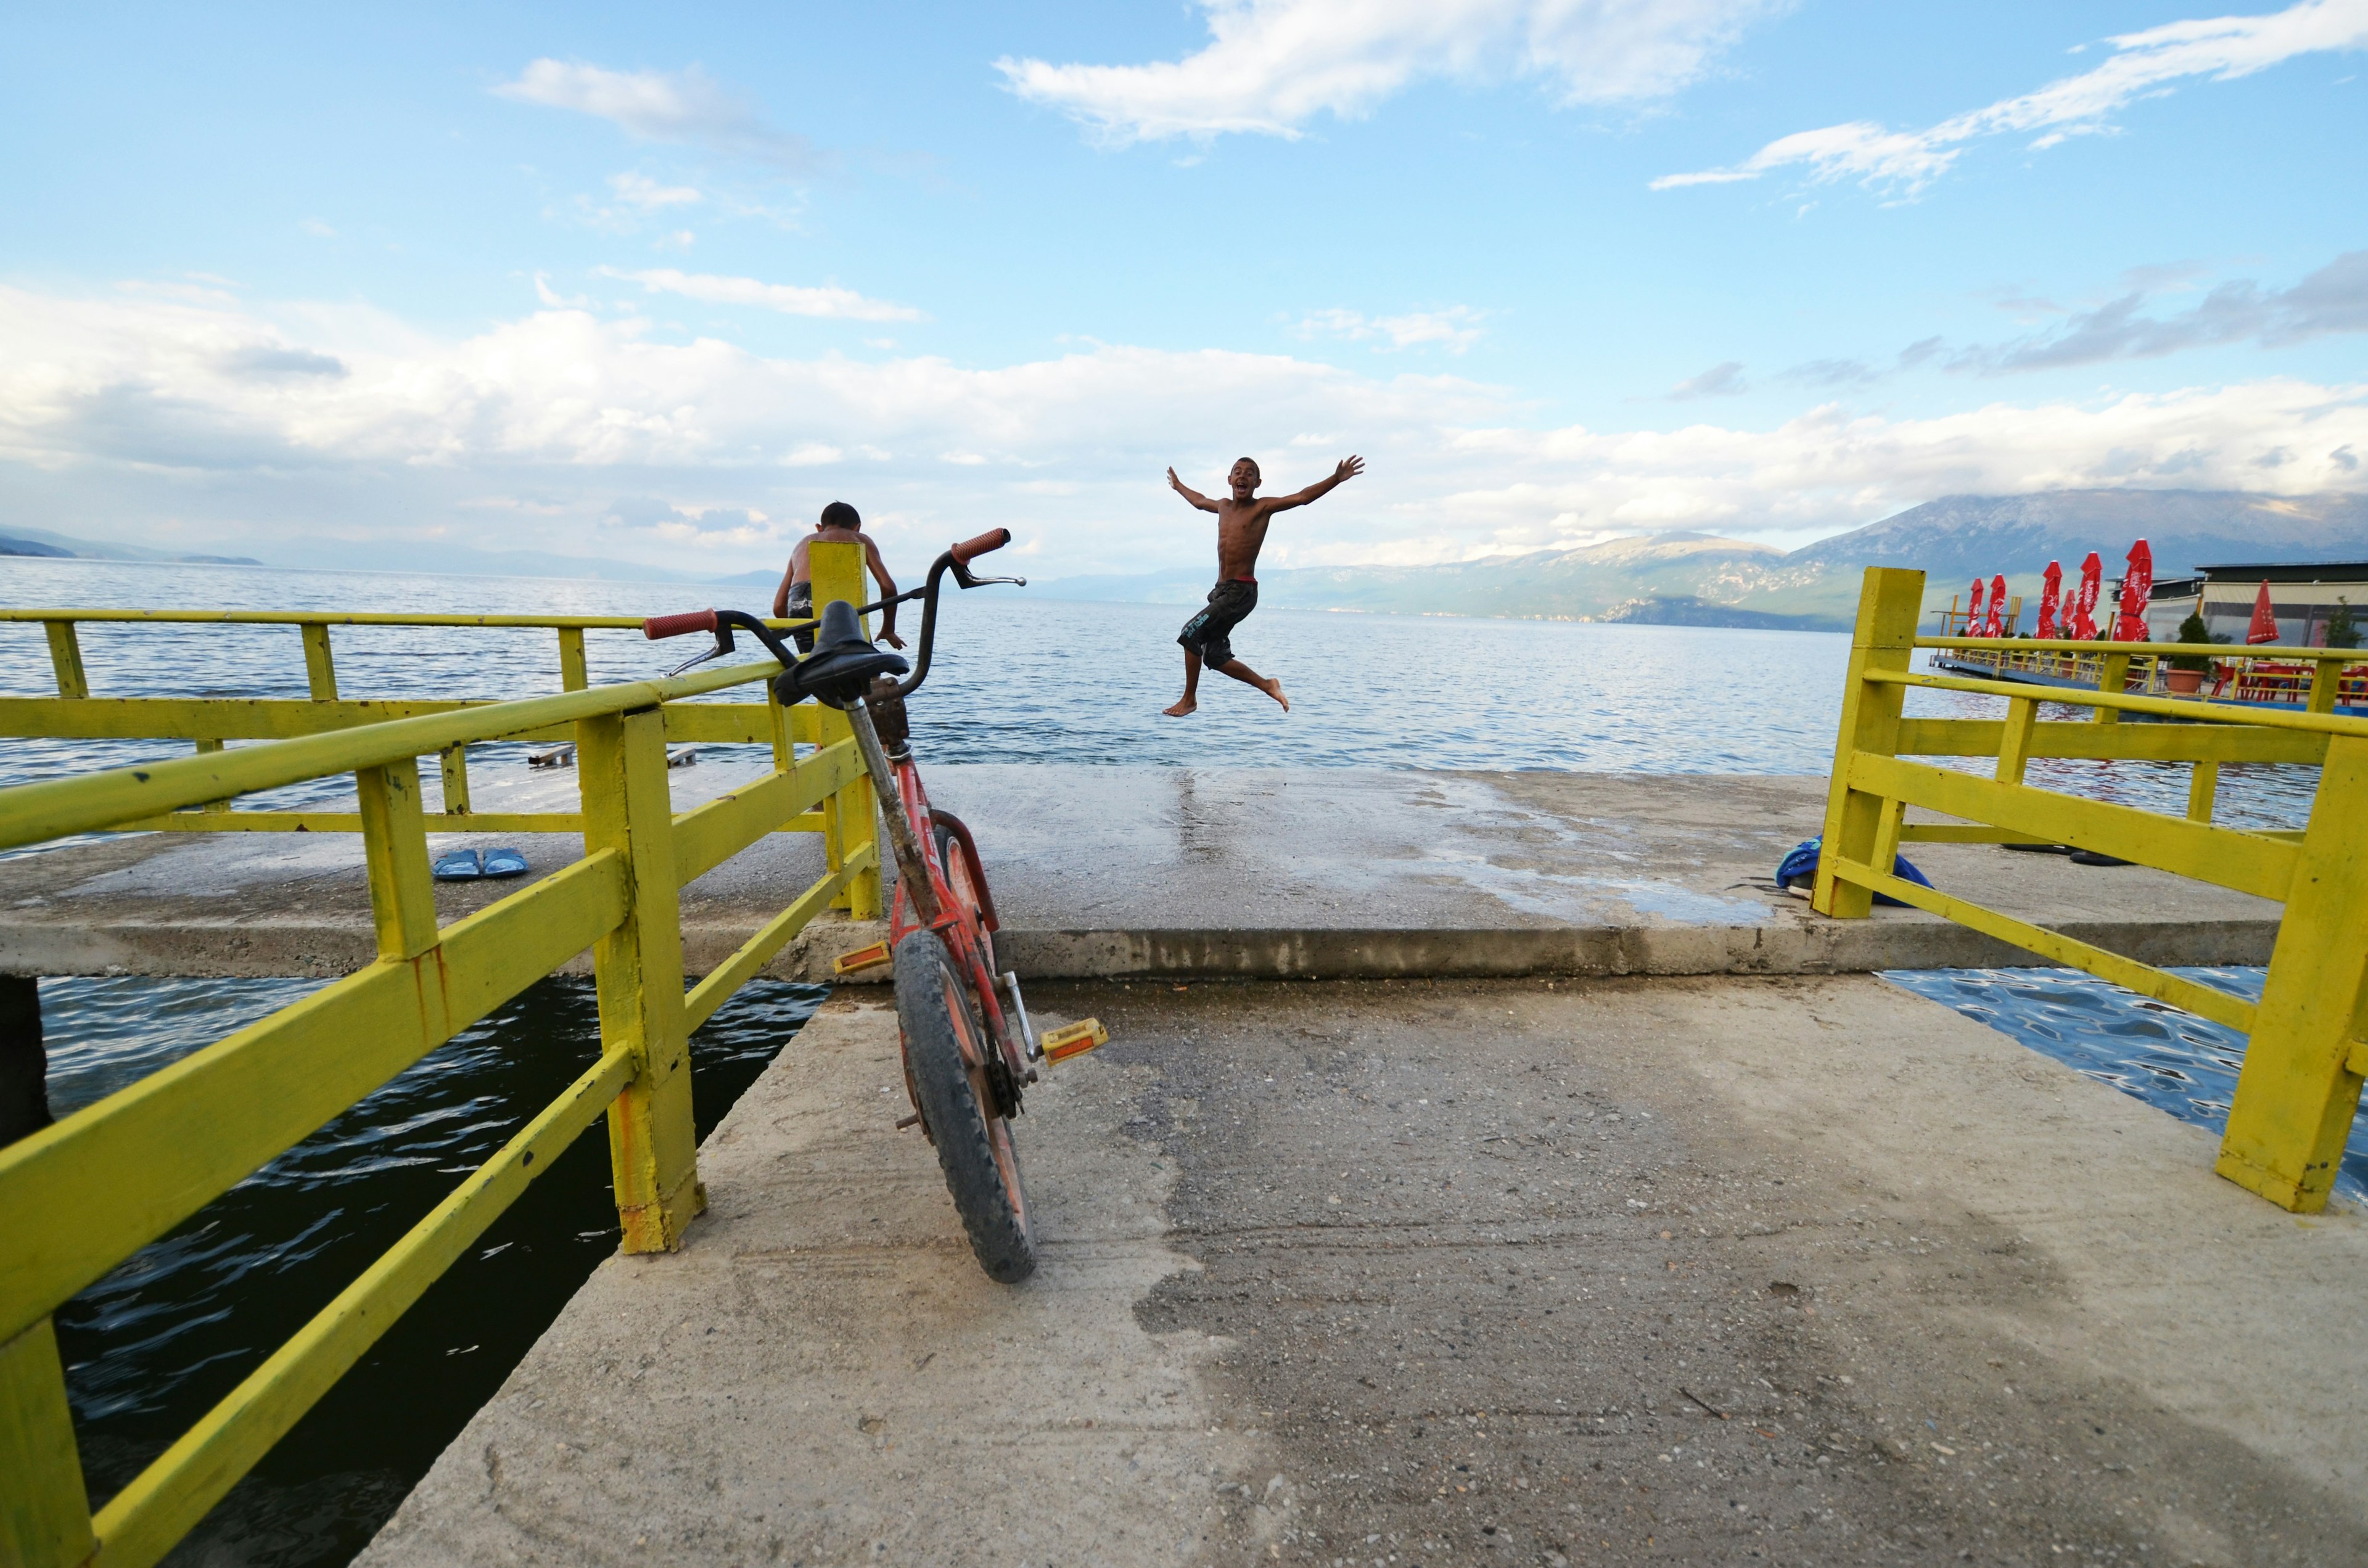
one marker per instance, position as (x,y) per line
(74,713)
(2300,1084)
(85,1194)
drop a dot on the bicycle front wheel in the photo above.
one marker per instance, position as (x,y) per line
(947,1049)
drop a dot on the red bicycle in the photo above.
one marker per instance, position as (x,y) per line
(968,1055)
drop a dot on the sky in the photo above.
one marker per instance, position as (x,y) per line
(654,284)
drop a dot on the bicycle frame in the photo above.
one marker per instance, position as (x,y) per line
(927,897)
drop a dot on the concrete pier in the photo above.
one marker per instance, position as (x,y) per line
(1707,1270)
(1248,874)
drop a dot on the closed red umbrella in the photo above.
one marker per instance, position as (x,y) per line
(2055,586)
(2265,619)
(1974,611)
(2137,587)
(2078,624)
(1994,624)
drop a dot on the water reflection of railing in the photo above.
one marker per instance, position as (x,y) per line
(2302,1076)
(85,1194)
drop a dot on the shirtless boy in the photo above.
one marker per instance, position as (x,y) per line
(840,525)
(1242,518)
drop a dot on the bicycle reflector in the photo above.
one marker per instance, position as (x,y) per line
(861,958)
(1072,1040)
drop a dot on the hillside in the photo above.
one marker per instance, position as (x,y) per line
(1697,580)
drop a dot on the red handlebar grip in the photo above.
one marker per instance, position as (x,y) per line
(675,625)
(994,538)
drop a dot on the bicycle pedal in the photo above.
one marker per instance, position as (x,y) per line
(872,957)
(1072,1040)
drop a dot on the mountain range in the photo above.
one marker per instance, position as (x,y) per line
(1691,579)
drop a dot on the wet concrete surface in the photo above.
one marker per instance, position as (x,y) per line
(1251,872)
(1708,1272)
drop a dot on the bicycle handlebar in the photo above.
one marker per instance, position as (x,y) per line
(677,625)
(971,548)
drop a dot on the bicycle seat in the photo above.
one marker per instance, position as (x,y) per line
(840,669)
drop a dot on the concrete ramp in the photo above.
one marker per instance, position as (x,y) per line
(1710,1270)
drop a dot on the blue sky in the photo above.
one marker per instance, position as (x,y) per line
(655,286)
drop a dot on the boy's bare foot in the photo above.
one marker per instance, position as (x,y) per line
(1273,689)
(1183,707)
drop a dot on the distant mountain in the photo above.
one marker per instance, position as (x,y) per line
(1957,536)
(21,540)
(1687,579)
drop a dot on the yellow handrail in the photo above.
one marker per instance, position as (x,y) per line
(88,1192)
(74,713)
(2300,1084)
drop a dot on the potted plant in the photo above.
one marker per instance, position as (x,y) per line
(2188,670)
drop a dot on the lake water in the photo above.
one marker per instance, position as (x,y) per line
(1020,677)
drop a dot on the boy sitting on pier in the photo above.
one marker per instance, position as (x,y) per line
(841,524)
(1242,518)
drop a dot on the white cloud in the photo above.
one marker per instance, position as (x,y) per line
(689,107)
(1272,65)
(648,195)
(787,297)
(254,423)
(317,229)
(2144,65)
(1454,329)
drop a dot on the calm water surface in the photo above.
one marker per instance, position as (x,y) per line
(1020,677)
(2173,1061)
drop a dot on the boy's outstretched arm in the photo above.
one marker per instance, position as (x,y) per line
(1346,471)
(1190,493)
(887,591)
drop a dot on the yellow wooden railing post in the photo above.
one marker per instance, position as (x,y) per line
(2203,787)
(848,820)
(394,842)
(2112,675)
(65,658)
(1858,824)
(2326,686)
(206,747)
(320,668)
(44,1512)
(571,676)
(653,1141)
(2014,743)
(2300,1085)
(454,763)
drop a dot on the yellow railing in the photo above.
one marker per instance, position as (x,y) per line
(2300,1082)
(76,714)
(85,1194)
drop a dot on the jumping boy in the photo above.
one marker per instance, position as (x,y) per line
(840,525)
(1242,518)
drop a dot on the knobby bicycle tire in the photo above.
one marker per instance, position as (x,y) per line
(975,1147)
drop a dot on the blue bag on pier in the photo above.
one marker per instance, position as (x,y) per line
(1801,865)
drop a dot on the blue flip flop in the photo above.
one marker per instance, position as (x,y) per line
(459,866)
(504,862)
